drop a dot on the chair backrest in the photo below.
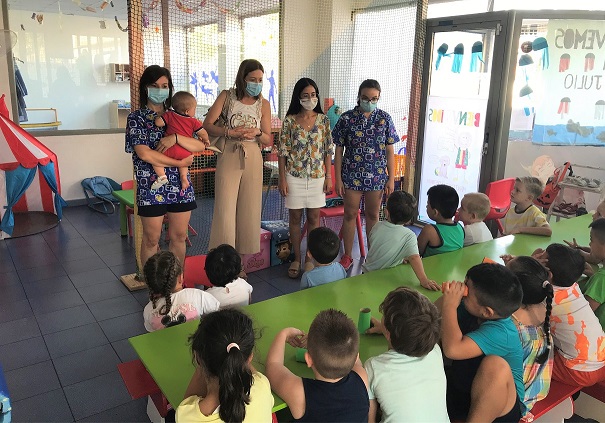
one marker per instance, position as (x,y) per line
(499,193)
(128,184)
(194,272)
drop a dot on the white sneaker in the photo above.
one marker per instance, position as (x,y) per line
(161,181)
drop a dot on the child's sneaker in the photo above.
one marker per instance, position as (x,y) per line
(161,181)
(215,149)
(346,261)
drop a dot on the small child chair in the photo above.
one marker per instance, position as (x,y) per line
(194,272)
(499,197)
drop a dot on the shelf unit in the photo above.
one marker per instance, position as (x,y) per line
(119,72)
(600,190)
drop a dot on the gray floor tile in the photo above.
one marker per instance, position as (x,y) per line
(30,381)
(123,327)
(46,407)
(42,272)
(64,319)
(253,278)
(96,395)
(92,277)
(15,310)
(115,307)
(83,265)
(49,286)
(113,247)
(23,353)
(10,278)
(107,239)
(285,284)
(125,350)
(36,260)
(18,330)
(49,303)
(124,269)
(119,258)
(70,254)
(7,266)
(264,291)
(103,291)
(133,411)
(86,364)
(142,296)
(11,292)
(76,339)
(62,243)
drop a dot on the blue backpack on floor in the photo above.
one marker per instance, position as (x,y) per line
(100,188)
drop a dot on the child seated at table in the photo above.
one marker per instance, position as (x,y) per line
(444,235)
(526,217)
(475,207)
(533,324)
(179,121)
(586,251)
(577,334)
(407,382)
(338,393)
(485,381)
(225,386)
(170,303)
(594,288)
(223,265)
(391,243)
(323,246)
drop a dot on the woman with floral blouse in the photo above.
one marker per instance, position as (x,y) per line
(305,162)
(366,134)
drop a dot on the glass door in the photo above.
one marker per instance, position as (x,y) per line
(459,85)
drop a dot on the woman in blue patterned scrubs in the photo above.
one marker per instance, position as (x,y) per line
(366,134)
(146,142)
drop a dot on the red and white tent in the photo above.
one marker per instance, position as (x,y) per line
(29,174)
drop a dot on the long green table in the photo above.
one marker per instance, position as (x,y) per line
(166,355)
(126,197)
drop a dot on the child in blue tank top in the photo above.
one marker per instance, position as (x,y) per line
(445,235)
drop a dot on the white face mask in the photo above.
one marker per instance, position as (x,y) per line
(309,103)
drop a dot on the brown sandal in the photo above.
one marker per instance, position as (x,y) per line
(294,270)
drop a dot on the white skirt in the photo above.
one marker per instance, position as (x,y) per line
(305,193)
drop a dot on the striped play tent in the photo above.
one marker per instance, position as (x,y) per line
(29,175)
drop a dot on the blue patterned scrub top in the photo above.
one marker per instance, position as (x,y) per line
(141,130)
(364,164)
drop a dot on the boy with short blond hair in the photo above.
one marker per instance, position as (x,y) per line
(475,207)
(391,243)
(408,381)
(526,217)
(339,391)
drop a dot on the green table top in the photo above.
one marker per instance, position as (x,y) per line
(125,196)
(166,354)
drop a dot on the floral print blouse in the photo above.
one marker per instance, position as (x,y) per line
(304,150)
(364,163)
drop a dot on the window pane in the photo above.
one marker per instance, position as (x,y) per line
(456,7)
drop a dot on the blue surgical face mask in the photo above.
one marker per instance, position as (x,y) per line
(254,88)
(367,106)
(157,95)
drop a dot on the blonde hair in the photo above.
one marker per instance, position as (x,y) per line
(477,203)
(532,185)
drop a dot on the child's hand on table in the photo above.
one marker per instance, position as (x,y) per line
(376,327)
(296,338)
(430,284)
(506,258)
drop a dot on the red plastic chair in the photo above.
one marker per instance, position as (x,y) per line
(499,197)
(339,211)
(194,272)
(129,210)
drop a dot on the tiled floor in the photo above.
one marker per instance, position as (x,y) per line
(65,319)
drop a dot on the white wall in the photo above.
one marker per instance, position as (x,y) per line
(83,156)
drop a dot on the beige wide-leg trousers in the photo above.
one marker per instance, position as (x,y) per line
(238,197)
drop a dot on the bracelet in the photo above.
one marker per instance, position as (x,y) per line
(260,135)
(328,176)
(227,133)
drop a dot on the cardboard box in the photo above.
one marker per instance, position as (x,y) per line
(260,260)
(281,247)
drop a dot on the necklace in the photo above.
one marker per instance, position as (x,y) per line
(307,121)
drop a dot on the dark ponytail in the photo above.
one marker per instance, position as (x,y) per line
(536,288)
(161,274)
(223,344)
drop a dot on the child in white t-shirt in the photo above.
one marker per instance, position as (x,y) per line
(170,303)
(223,264)
(407,381)
(475,207)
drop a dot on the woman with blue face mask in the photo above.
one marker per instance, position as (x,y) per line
(239,168)
(366,134)
(146,143)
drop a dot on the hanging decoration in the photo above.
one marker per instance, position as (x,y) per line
(22,27)
(40,18)
(145,19)
(564,107)
(564,62)
(102,24)
(458,54)
(589,62)
(154,4)
(77,2)
(120,26)
(441,52)
(540,43)
(526,47)
(524,61)
(526,92)
(599,110)
(476,56)
(179,4)
(104,5)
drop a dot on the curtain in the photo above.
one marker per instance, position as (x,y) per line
(17,182)
(48,172)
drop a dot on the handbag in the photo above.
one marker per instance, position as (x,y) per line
(219,142)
